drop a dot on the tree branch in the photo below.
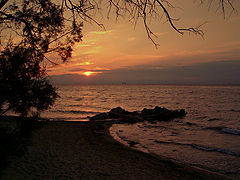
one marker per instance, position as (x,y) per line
(3,3)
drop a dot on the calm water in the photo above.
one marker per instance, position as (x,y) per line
(208,137)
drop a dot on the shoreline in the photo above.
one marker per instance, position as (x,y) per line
(86,150)
(163,158)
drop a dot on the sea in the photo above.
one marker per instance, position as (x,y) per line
(207,137)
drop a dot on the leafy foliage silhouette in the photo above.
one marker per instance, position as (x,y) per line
(23,86)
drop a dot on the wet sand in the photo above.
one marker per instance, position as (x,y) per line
(85,150)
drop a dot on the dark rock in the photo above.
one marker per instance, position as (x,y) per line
(126,116)
(131,119)
(117,112)
(161,114)
(182,112)
(100,116)
(151,115)
(158,109)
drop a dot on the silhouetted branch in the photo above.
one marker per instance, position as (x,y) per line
(222,4)
(168,17)
(69,15)
(3,3)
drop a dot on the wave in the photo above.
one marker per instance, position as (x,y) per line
(234,110)
(225,130)
(75,112)
(190,124)
(203,148)
(218,128)
(75,105)
(88,106)
(213,119)
(201,117)
(64,119)
(231,131)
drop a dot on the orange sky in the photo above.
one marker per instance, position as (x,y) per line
(123,46)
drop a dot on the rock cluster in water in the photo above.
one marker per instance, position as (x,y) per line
(151,115)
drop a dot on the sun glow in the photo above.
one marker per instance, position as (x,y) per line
(88,73)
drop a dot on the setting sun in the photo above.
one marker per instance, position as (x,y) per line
(88,73)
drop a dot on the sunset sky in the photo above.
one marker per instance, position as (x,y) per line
(122,53)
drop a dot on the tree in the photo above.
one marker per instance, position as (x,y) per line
(23,86)
(54,26)
(30,30)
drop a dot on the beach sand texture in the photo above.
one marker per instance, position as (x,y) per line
(85,150)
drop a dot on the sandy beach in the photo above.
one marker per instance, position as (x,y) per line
(85,150)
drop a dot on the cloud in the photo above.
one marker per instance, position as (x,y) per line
(220,72)
(160,33)
(84,63)
(101,32)
(82,70)
(69,79)
(77,70)
(92,50)
(83,45)
(99,70)
(131,39)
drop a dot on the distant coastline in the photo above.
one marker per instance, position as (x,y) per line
(136,84)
